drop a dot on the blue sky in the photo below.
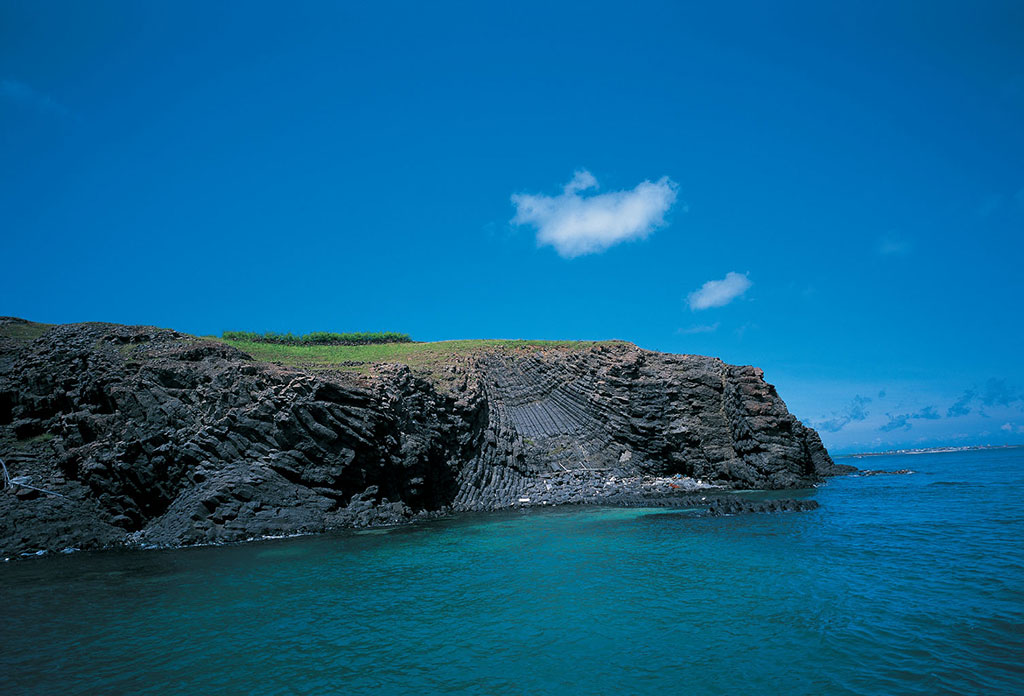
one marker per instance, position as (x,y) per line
(835,194)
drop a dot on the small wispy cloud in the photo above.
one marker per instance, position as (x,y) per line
(576,225)
(892,245)
(718,293)
(994,393)
(990,204)
(901,421)
(897,422)
(962,406)
(705,328)
(26,97)
(999,392)
(855,411)
(742,330)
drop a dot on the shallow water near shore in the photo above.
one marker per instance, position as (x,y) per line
(897,584)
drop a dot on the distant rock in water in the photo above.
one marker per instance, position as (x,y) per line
(150,436)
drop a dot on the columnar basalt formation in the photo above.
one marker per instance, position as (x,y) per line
(149,436)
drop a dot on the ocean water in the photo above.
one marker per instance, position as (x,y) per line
(897,585)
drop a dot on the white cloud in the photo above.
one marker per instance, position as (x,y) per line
(718,293)
(575,225)
(581,181)
(708,328)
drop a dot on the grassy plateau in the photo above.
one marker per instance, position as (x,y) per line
(319,337)
(421,357)
(347,352)
(20,330)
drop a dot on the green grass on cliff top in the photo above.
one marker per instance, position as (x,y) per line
(419,356)
(423,358)
(319,337)
(21,330)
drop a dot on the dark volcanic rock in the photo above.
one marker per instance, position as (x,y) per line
(736,506)
(156,437)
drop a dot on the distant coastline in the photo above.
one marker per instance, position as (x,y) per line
(927,450)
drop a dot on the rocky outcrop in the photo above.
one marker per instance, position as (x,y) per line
(148,436)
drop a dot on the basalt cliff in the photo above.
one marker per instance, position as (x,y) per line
(135,435)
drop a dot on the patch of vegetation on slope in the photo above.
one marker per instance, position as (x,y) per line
(324,338)
(21,330)
(422,358)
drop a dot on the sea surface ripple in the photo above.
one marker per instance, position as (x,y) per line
(907,584)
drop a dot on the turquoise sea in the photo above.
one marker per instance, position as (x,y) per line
(907,584)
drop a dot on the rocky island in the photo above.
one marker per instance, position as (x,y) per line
(133,435)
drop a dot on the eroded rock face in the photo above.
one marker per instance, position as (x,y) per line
(155,437)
